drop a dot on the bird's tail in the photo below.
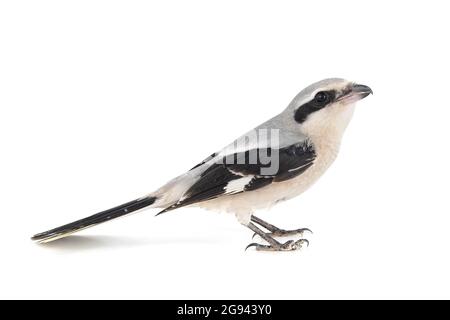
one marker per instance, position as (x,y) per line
(95,219)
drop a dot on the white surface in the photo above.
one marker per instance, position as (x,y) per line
(101,102)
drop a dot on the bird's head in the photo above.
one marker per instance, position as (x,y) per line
(326,107)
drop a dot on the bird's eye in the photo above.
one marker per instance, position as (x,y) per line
(321,98)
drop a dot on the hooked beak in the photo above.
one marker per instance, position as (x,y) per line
(356,92)
(361,90)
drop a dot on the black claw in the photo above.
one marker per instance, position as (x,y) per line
(305,240)
(255,234)
(302,230)
(251,245)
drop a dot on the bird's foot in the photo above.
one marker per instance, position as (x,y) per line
(273,244)
(286,233)
(290,245)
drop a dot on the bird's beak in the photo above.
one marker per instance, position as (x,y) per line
(361,90)
(355,92)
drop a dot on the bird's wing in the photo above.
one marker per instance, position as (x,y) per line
(248,171)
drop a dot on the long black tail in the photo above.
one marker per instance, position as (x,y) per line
(93,220)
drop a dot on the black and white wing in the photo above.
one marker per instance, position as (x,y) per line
(247,171)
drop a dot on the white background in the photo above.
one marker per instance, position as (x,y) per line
(103,101)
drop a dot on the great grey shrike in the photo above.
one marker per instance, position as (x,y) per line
(276,161)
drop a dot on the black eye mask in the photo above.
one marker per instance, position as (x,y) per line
(320,100)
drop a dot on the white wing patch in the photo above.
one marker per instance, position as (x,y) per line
(298,168)
(237,185)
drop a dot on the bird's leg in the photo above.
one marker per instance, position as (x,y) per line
(274,245)
(277,232)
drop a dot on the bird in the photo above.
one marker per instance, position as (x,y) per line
(274,162)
